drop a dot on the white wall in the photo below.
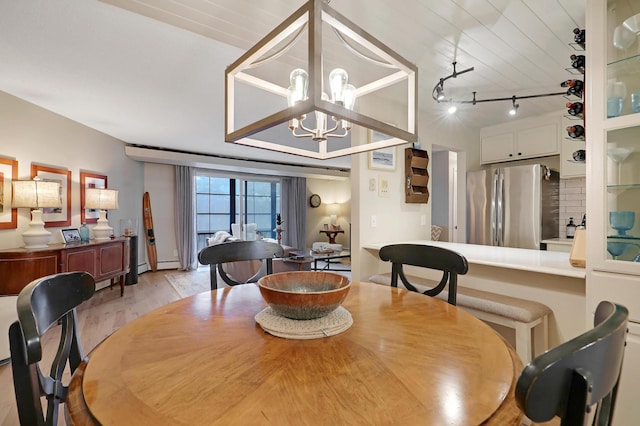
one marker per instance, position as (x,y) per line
(159,181)
(331,192)
(395,219)
(31,134)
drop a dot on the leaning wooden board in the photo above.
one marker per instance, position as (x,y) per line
(148,231)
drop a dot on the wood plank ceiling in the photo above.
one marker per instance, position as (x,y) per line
(517,47)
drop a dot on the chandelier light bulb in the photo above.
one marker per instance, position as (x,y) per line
(439,93)
(452,109)
(338,79)
(349,96)
(299,80)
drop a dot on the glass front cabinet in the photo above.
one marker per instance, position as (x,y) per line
(612,116)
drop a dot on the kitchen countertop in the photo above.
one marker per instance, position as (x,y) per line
(546,262)
(563,241)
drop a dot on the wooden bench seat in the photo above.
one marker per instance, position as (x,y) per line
(519,314)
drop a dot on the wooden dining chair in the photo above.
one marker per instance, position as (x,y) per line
(449,262)
(43,303)
(568,380)
(234,251)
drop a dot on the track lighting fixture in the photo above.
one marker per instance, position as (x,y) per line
(514,108)
(438,94)
(440,91)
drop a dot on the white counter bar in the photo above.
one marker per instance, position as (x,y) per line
(542,276)
(540,261)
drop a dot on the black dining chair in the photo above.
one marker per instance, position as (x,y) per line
(449,262)
(234,251)
(43,303)
(566,381)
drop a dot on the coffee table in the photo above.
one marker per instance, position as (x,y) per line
(328,257)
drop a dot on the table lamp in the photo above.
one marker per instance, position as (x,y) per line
(103,200)
(36,194)
(333,210)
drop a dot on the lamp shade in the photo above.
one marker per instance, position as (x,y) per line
(333,209)
(36,194)
(101,199)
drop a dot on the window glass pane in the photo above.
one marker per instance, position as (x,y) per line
(202,203)
(220,186)
(219,204)
(219,223)
(202,184)
(202,223)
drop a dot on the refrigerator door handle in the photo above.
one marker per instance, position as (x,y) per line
(494,218)
(500,210)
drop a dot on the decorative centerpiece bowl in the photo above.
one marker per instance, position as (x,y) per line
(304,295)
(622,221)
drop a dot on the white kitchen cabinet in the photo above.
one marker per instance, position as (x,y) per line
(497,148)
(613,184)
(520,139)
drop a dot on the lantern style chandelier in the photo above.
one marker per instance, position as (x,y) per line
(278,97)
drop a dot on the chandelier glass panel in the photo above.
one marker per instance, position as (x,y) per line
(308,85)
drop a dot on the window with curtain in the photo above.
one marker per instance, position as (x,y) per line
(221,201)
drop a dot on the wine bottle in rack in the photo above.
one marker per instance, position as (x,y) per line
(575,108)
(575,131)
(575,87)
(578,62)
(579,37)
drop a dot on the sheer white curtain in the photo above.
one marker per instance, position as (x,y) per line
(185,215)
(294,211)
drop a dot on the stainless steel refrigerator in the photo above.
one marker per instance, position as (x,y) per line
(515,206)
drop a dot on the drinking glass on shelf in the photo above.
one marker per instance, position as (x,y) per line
(616,92)
(635,101)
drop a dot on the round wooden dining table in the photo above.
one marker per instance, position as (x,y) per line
(407,359)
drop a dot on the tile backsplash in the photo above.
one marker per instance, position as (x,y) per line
(573,203)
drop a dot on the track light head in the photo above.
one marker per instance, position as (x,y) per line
(514,108)
(439,93)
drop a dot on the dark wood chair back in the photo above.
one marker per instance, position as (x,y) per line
(234,251)
(449,262)
(43,303)
(567,380)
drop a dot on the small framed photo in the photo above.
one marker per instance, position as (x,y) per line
(71,235)
(381,159)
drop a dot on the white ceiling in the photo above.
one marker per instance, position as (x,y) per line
(150,72)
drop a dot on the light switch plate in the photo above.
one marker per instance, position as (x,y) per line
(372,184)
(384,189)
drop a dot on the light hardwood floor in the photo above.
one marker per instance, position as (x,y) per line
(98,318)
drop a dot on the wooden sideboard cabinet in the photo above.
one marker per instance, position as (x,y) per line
(105,260)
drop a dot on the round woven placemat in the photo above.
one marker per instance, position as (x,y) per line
(334,323)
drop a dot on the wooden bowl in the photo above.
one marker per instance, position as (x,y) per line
(304,295)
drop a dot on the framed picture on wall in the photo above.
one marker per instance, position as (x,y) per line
(381,159)
(56,216)
(90,180)
(8,173)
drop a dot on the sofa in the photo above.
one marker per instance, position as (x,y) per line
(242,271)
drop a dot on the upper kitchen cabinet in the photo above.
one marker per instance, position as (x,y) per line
(521,139)
(613,127)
